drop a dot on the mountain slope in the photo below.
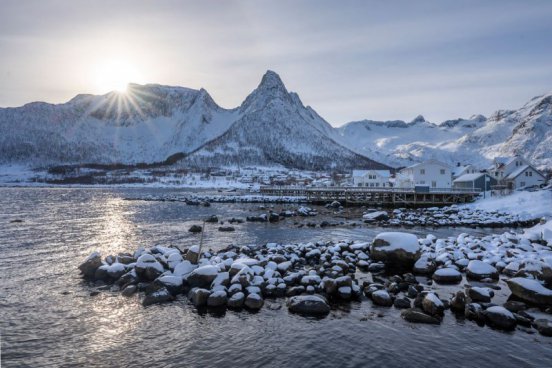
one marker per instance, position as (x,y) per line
(147,124)
(276,128)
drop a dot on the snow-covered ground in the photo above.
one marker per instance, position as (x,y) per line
(530,204)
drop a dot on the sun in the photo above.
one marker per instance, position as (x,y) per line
(115,75)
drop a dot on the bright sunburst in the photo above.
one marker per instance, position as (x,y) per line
(115,75)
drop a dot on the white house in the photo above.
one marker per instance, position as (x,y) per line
(515,172)
(525,176)
(432,174)
(371,178)
(504,166)
(460,170)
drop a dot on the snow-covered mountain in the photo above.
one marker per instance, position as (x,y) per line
(147,124)
(151,122)
(477,140)
(276,128)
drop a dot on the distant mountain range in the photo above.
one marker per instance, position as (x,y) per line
(271,127)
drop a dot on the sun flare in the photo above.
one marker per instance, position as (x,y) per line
(115,75)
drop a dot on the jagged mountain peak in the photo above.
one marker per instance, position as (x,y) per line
(270,88)
(418,119)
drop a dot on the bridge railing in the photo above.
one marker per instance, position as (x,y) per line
(370,190)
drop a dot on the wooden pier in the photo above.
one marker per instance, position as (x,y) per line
(386,197)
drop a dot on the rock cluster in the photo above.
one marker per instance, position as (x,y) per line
(314,275)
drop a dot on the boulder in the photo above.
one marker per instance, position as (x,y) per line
(402,303)
(499,317)
(236,300)
(91,264)
(382,297)
(544,326)
(148,268)
(480,294)
(195,229)
(315,305)
(458,302)
(424,266)
(129,290)
(226,228)
(398,250)
(254,301)
(416,315)
(447,276)
(202,276)
(217,299)
(375,216)
(160,295)
(474,311)
(213,219)
(199,296)
(530,291)
(478,270)
(432,305)
(193,254)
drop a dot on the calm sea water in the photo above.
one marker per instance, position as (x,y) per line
(48,318)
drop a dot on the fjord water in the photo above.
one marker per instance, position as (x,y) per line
(49,318)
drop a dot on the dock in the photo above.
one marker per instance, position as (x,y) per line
(385,197)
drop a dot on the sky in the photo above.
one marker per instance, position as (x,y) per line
(349,60)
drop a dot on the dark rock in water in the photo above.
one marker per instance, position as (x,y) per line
(345,292)
(474,312)
(402,303)
(16,221)
(273,217)
(499,317)
(199,296)
(447,276)
(309,305)
(544,326)
(398,250)
(202,277)
(514,306)
(376,267)
(236,300)
(226,228)
(254,301)
(416,315)
(382,297)
(217,299)
(148,268)
(458,302)
(479,270)
(295,290)
(530,291)
(91,264)
(206,204)
(479,294)
(129,290)
(324,224)
(195,229)
(158,296)
(432,305)
(334,204)
(412,292)
(213,219)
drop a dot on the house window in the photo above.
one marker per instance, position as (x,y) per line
(530,173)
(371,184)
(496,173)
(377,184)
(522,184)
(422,182)
(442,171)
(422,171)
(434,184)
(359,184)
